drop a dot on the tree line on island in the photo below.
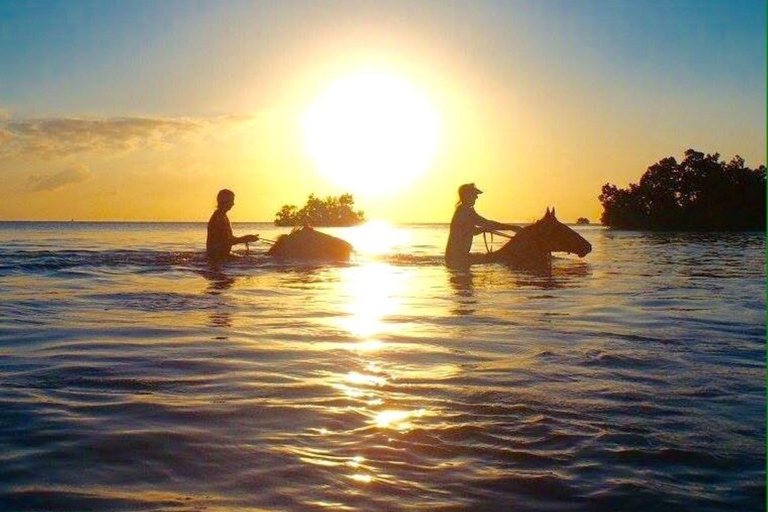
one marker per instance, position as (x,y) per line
(329,212)
(700,193)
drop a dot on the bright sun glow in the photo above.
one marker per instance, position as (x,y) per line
(372,133)
(376,237)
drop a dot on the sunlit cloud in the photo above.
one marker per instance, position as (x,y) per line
(67,136)
(5,136)
(56,180)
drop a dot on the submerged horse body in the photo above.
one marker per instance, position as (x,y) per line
(305,243)
(532,247)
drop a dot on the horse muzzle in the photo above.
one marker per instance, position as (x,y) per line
(584,250)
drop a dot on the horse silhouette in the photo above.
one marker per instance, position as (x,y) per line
(305,243)
(532,247)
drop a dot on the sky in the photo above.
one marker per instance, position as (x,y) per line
(143,110)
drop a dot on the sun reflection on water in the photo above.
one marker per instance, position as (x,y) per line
(356,461)
(377,237)
(360,477)
(373,309)
(368,380)
(397,419)
(368,346)
(374,292)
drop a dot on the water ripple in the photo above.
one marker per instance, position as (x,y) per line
(144,380)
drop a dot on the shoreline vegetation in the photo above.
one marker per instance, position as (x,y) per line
(700,193)
(328,212)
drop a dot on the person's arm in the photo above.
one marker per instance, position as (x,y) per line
(487,225)
(510,227)
(238,239)
(244,239)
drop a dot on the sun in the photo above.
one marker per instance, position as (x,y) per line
(371,133)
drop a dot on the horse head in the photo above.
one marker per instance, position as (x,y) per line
(557,237)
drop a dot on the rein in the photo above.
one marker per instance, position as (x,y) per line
(493,232)
(267,240)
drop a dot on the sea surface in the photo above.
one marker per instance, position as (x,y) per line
(133,377)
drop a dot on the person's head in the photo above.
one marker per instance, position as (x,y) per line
(468,193)
(225,199)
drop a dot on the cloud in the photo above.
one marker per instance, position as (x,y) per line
(5,137)
(56,180)
(61,137)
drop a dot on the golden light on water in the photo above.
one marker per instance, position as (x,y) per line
(374,292)
(371,133)
(350,391)
(368,346)
(397,419)
(356,461)
(360,477)
(367,380)
(377,237)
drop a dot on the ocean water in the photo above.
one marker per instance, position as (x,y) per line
(135,377)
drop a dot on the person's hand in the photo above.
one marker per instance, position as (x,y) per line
(251,238)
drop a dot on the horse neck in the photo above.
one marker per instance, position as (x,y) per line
(530,238)
(530,233)
(535,236)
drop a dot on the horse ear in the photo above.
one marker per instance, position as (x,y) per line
(547,214)
(553,211)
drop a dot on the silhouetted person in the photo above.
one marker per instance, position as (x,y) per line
(465,224)
(220,238)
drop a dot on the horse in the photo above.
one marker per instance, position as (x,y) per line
(305,243)
(532,247)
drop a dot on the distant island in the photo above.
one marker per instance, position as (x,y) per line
(329,212)
(699,193)
(582,221)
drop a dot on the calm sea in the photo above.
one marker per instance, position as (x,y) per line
(134,377)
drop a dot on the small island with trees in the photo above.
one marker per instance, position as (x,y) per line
(328,212)
(582,221)
(701,193)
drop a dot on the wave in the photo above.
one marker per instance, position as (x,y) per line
(69,260)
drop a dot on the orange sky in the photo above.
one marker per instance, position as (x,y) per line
(537,103)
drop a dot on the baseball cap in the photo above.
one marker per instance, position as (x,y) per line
(469,189)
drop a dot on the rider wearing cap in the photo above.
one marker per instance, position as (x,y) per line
(465,224)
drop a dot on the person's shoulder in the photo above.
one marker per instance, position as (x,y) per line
(217,216)
(463,214)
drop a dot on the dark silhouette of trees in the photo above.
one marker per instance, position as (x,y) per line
(582,221)
(699,193)
(331,211)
